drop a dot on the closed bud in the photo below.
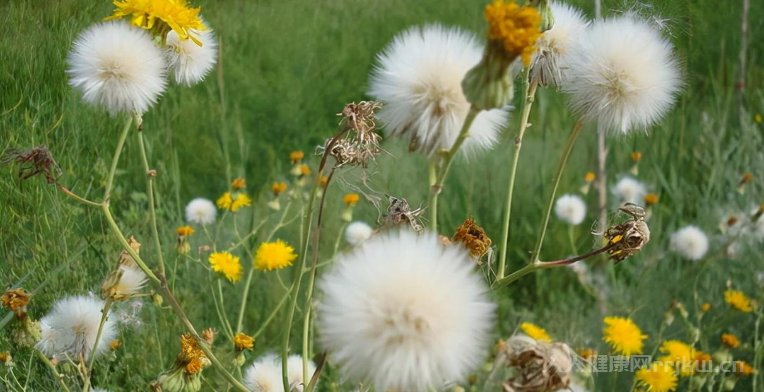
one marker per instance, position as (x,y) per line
(157,299)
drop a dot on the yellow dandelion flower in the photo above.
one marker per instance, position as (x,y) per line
(225,201)
(623,336)
(730,340)
(233,202)
(227,264)
(159,16)
(659,377)
(323,180)
(243,342)
(535,332)
(239,184)
(705,307)
(738,300)
(590,176)
(515,27)
(743,368)
(636,156)
(274,255)
(351,199)
(185,230)
(651,198)
(682,355)
(587,354)
(278,188)
(758,118)
(115,344)
(304,170)
(296,156)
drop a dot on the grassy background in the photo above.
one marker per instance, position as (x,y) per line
(287,67)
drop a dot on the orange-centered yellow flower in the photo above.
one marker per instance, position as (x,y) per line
(738,300)
(535,332)
(659,377)
(160,16)
(351,199)
(304,170)
(227,264)
(233,202)
(684,357)
(239,184)
(623,336)
(274,255)
(278,188)
(651,198)
(185,230)
(590,176)
(636,156)
(730,340)
(705,307)
(243,342)
(296,156)
(515,27)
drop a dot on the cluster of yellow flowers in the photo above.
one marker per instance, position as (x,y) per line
(161,16)
(515,27)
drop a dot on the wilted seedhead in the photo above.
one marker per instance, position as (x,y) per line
(16,300)
(628,238)
(359,144)
(473,237)
(33,162)
(536,366)
(399,212)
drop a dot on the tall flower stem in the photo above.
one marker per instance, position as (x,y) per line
(150,175)
(530,94)
(115,159)
(92,354)
(447,158)
(53,370)
(560,168)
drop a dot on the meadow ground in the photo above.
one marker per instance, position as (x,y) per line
(286,69)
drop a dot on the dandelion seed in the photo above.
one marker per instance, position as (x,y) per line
(403,312)
(730,340)
(623,336)
(629,190)
(535,332)
(264,375)
(123,283)
(227,264)
(738,300)
(659,377)
(118,67)
(201,211)
(419,80)
(161,16)
(71,328)
(548,64)
(274,255)
(358,232)
(690,242)
(622,73)
(294,372)
(570,209)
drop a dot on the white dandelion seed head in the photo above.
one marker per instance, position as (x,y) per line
(131,282)
(264,375)
(690,242)
(419,78)
(570,209)
(404,312)
(294,372)
(548,64)
(622,73)
(188,61)
(357,232)
(201,211)
(72,325)
(629,190)
(118,67)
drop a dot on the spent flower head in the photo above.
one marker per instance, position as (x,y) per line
(473,237)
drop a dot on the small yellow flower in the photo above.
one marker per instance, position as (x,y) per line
(535,332)
(623,336)
(195,366)
(745,178)
(115,344)
(304,170)
(738,300)
(758,118)
(659,377)
(515,27)
(159,16)
(705,307)
(296,156)
(636,156)
(239,184)
(227,264)
(5,358)
(243,342)
(587,354)
(185,230)
(730,340)
(651,198)
(323,180)
(743,368)
(233,202)
(351,199)
(683,356)
(590,176)
(274,255)
(278,188)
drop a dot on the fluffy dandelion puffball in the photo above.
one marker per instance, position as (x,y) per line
(548,64)
(623,336)
(118,67)
(357,232)
(264,375)
(188,61)
(72,325)
(629,190)
(294,372)
(690,242)
(201,211)
(130,283)
(419,78)
(622,73)
(570,209)
(404,312)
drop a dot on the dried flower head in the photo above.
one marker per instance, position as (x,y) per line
(16,300)
(238,184)
(243,342)
(400,213)
(473,237)
(125,258)
(627,238)
(362,144)
(538,366)
(33,162)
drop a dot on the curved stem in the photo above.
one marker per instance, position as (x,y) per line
(150,175)
(52,368)
(91,361)
(125,245)
(560,168)
(115,158)
(530,94)
(78,198)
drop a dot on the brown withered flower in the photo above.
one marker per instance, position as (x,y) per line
(125,258)
(16,300)
(473,237)
(358,143)
(400,213)
(536,366)
(627,238)
(32,162)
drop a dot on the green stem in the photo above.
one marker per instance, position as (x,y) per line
(448,159)
(150,175)
(115,159)
(432,169)
(560,168)
(530,94)
(272,315)
(92,353)
(52,368)
(125,245)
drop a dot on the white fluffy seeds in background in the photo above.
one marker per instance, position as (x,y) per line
(188,61)
(357,232)
(201,211)
(264,375)
(72,325)
(570,209)
(629,190)
(549,61)
(690,242)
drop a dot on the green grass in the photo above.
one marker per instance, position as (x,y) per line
(287,68)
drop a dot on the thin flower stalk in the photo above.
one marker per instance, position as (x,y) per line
(53,370)
(150,175)
(530,94)
(115,158)
(91,362)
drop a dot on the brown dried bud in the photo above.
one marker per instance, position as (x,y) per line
(33,162)
(537,366)
(400,213)
(361,145)
(627,238)
(208,335)
(474,238)
(16,300)
(125,258)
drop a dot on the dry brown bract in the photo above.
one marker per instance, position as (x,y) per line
(357,147)
(33,162)
(536,366)
(16,300)
(399,212)
(628,238)
(473,237)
